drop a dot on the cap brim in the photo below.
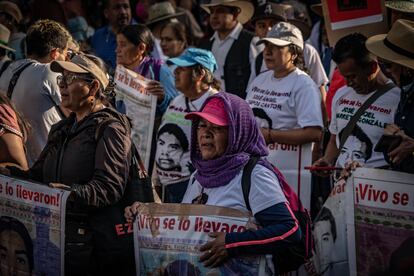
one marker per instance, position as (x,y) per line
(375,45)
(275,41)
(180,62)
(60,66)
(194,116)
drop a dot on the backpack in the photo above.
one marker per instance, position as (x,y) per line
(292,257)
(114,236)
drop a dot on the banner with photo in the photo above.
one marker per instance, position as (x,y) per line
(366,226)
(168,237)
(140,106)
(32,228)
(291,160)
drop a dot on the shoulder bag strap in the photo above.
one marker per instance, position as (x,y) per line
(246,179)
(351,124)
(15,77)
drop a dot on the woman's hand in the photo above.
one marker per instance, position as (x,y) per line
(322,162)
(60,186)
(215,251)
(155,88)
(131,212)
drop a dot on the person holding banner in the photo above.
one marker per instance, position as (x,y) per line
(396,52)
(134,45)
(91,158)
(224,135)
(194,78)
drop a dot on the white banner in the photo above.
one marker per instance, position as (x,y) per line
(291,161)
(140,106)
(32,228)
(168,238)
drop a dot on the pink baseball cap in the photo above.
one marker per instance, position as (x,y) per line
(213,111)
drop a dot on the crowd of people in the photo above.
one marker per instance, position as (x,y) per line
(231,78)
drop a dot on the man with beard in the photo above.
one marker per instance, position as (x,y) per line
(118,14)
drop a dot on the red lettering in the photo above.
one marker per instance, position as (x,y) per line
(119,228)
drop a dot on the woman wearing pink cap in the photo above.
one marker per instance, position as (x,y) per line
(224,136)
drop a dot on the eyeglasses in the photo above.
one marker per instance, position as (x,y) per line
(64,81)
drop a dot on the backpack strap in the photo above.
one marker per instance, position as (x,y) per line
(353,121)
(246,179)
(15,77)
(4,66)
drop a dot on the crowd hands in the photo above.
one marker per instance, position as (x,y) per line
(247,51)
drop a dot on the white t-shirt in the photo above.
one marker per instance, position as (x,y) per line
(172,157)
(36,95)
(370,127)
(265,191)
(290,102)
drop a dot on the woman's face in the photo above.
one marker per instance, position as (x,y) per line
(126,52)
(169,151)
(212,139)
(74,90)
(170,45)
(277,58)
(14,258)
(183,79)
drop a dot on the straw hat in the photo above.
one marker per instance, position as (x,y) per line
(161,11)
(246,8)
(4,38)
(397,46)
(401,6)
(12,9)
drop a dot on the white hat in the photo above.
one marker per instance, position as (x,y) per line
(284,34)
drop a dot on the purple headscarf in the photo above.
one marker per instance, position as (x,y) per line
(245,140)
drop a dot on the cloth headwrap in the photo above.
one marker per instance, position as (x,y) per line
(245,140)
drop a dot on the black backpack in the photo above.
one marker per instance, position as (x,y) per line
(292,257)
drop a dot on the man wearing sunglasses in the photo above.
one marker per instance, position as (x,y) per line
(32,86)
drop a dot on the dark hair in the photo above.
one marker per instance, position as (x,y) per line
(177,132)
(326,214)
(208,79)
(352,46)
(260,113)
(179,30)
(137,34)
(23,125)
(363,137)
(299,61)
(44,36)
(12,224)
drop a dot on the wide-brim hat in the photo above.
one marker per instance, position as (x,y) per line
(317,9)
(82,65)
(401,6)
(12,9)
(161,11)
(397,45)
(270,10)
(4,38)
(246,8)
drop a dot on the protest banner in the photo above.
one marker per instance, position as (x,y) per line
(168,237)
(291,160)
(366,224)
(343,17)
(32,228)
(140,106)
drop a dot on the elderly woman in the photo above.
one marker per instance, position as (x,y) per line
(134,45)
(224,137)
(194,78)
(94,167)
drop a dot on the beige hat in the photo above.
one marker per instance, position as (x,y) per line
(4,38)
(401,6)
(246,8)
(397,46)
(12,9)
(283,34)
(82,65)
(161,11)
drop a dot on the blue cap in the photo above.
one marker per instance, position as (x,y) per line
(193,56)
